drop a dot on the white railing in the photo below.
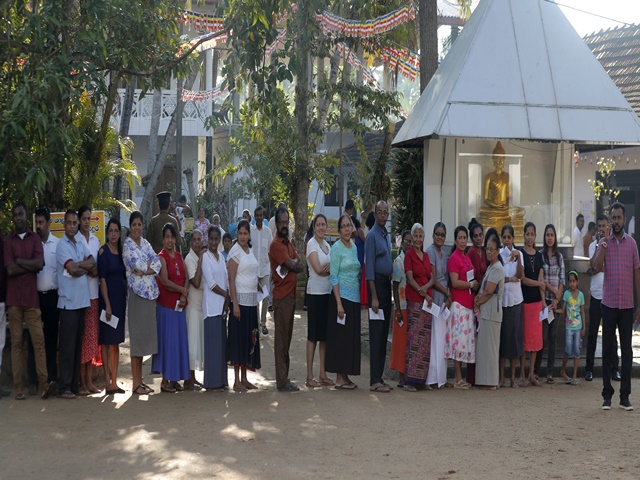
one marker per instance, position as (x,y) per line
(193,114)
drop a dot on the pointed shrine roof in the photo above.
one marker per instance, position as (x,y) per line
(520,71)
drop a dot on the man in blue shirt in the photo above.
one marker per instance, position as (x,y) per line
(73,263)
(377,248)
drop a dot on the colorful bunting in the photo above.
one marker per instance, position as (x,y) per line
(334,25)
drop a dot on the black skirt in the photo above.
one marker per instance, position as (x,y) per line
(343,341)
(317,317)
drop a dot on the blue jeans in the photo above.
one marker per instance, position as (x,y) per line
(573,343)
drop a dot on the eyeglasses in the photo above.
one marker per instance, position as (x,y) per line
(490,249)
(440,235)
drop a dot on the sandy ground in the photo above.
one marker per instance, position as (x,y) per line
(556,431)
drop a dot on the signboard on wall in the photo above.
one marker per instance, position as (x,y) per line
(97,224)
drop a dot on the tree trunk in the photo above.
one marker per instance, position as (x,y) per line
(125,122)
(428,18)
(150,181)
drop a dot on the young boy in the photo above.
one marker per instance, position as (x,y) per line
(227,243)
(575,330)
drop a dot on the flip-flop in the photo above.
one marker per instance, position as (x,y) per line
(167,389)
(346,386)
(381,388)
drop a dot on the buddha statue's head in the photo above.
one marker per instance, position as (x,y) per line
(498,157)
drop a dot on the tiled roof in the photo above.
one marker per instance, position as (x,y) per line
(618,50)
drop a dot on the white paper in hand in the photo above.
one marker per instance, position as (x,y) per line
(551,316)
(376,316)
(470,276)
(544,314)
(178,307)
(343,320)
(445,312)
(66,273)
(262,294)
(279,271)
(112,323)
(433,310)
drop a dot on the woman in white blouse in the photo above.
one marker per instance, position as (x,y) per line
(244,337)
(195,317)
(215,302)
(318,298)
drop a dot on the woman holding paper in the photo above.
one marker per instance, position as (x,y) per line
(441,297)
(343,328)
(112,303)
(419,295)
(318,298)
(142,266)
(553,268)
(195,317)
(244,338)
(398,356)
(172,359)
(533,288)
(511,336)
(460,337)
(215,303)
(489,301)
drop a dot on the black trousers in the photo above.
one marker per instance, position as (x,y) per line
(549,335)
(69,347)
(622,319)
(379,329)
(50,321)
(595,315)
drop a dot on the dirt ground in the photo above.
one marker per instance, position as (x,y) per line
(557,431)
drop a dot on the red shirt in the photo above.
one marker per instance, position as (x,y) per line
(459,263)
(479,262)
(421,270)
(22,290)
(176,272)
(280,250)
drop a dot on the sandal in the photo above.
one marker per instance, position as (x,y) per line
(137,390)
(312,383)
(177,386)
(327,381)
(265,331)
(461,384)
(410,388)
(534,381)
(168,388)
(575,381)
(379,388)
(347,386)
(550,380)
(149,389)
(514,384)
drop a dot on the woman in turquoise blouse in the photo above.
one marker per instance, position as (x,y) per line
(343,326)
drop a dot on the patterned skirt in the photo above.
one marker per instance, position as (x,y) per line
(460,340)
(418,344)
(90,337)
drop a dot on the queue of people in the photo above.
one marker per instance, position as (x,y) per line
(485,303)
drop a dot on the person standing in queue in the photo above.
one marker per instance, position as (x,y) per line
(377,249)
(617,256)
(157,223)
(285,267)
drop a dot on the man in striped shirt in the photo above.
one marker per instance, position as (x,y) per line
(617,256)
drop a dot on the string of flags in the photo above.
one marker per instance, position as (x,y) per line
(333,25)
(203,95)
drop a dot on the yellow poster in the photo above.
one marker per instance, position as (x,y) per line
(97,224)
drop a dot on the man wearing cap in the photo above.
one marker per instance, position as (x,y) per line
(154,230)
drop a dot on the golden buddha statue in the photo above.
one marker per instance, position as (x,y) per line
(497,210)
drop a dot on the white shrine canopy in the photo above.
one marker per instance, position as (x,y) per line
(520,71)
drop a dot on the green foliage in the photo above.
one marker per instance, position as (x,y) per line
(92,163)
(407,188)
(602,187)
(51,54)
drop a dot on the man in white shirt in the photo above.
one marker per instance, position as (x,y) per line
(86,236)
(578,247)
(260,240)
(47,282)
(595,313)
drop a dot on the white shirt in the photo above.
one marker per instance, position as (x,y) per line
(195,294)
(222,232)
(512,290)
(597,280)
(47,278)
(578,247)
(180,217)
(318,285)
(214,272)
(93,245)
(246,275)
(260,241)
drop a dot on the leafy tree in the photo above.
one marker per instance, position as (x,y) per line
(54,52)
(287,129)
